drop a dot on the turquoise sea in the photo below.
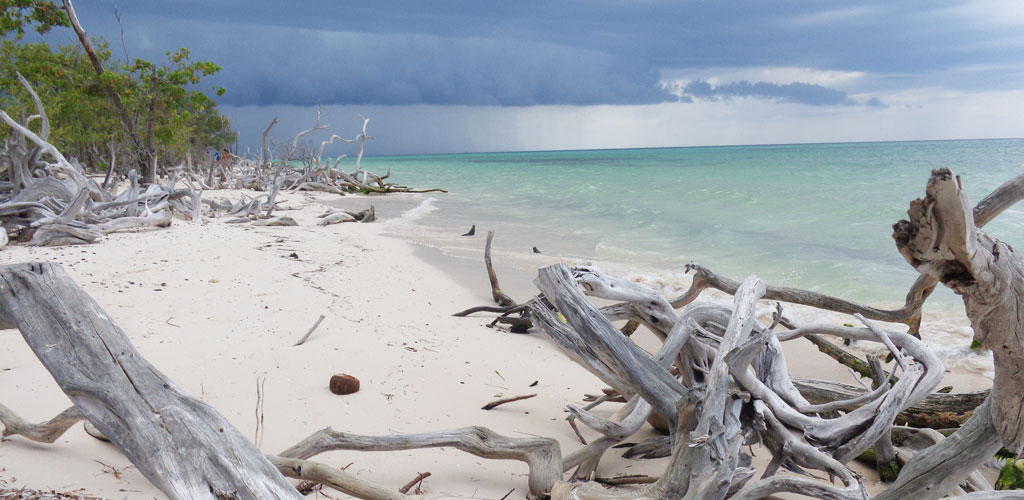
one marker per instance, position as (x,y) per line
(815,216)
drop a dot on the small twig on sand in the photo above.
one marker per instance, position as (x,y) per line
(494,404)
(110,469)
(258,438)
(310,332)
(307,487)
(418,479)
(572,423)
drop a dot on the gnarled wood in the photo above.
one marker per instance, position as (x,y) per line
(181,444)
(640,373)
(941,240)
(543,455)
(932,473)
(499,296)
(937,410)
(43,432)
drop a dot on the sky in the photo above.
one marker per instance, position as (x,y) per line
(450,76)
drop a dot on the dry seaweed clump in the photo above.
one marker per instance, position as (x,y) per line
(27,494)
(9,492)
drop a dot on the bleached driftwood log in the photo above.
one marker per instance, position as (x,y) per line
(159,219)
(941,240)
(179,443)
(937,410)
(338,479)
(339,216)
(276,221)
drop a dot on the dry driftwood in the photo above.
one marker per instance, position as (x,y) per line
(843,437)
(62,206)
(499,296)
(941,240)
(498,402)
(179,443)
(543,455)
(276,221)
(43,432)
(338,216)
(56,204)
(338,479)
(310,331)
(315,174)
(507,306)
(937,410)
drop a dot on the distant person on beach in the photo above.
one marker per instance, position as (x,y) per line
(225,158)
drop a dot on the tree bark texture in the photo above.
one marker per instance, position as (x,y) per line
(182,445)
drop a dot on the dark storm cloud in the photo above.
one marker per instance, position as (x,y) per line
(571,52)
(271,64)
(359,68)
(796,92)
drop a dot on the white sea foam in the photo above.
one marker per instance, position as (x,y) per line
(419,211)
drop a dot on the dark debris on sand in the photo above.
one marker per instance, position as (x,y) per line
(27,494)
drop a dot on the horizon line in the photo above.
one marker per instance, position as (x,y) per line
(766,144)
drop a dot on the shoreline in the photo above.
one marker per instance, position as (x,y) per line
(966,370)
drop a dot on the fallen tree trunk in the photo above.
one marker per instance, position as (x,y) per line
(159,219)
(937,411)
(182,445)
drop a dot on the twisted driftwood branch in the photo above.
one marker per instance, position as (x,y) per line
(543,455)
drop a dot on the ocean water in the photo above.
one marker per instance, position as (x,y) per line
(816,216)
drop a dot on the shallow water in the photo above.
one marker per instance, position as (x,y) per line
(816,216)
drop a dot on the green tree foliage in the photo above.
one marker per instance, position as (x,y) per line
(80,113)
(170,113)
(20,14)
(173,117)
